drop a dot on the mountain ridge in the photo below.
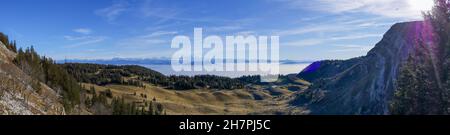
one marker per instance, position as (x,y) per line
(362,85)
(17,97)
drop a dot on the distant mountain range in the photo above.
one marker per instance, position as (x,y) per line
(150,61)
(363,85)
(121,61)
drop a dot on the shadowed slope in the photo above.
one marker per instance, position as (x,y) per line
(363,85)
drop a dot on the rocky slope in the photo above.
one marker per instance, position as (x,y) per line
(361,85)
(17,97)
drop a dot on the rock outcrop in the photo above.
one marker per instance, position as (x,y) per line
(362,85)
(17,97)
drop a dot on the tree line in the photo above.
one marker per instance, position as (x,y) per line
(423,85)
(106,103)
(10,45)
(45,70)
(113,74)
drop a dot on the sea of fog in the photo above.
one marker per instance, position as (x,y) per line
(284,70)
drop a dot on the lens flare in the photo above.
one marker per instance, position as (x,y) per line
(421,5)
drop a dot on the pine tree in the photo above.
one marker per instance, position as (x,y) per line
(440,18)
(133,109)
(150,108)
(423,83)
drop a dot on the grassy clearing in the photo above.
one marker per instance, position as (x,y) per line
(198,101)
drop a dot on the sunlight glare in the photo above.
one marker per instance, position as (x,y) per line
(421,5)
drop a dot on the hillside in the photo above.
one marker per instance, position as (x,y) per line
(363,85)
(141,87)
(134,75)
(33,84)
(17,97)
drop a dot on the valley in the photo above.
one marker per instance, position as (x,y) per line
(40,86)
(252,99)
(406,72)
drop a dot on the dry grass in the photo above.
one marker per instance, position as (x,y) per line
(199,101)
(15,83)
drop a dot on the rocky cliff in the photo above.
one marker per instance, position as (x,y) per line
(362,85)
(17,97)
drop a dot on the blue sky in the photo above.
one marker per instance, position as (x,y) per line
(103,29)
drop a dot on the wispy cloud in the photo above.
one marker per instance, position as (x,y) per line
(92,50)
(337,24)
(368,22)
(374,24)
(83,40)
(154,38)
(320,41)
(225,28)
(112,12)
(405,9)
(303,30)
(304,42)
(355,36)
(352,48)
(74,38)
(163,13)
(159,13)
(158,34)
(84,31)
(246,33)
(141,41)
